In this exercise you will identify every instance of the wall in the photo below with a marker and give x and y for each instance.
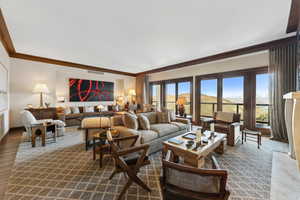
(237, 63)
(4, 60)
(25, 74)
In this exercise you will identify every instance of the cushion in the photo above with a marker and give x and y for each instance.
(147, 136)
(225, 117)
(88, 109)
(143, 122)
(68, 110)
(164, 129)
(152, 116)
(193, 182)
(171, 113)
(130, 121)
(163, 117)
(180, 125)
(117, 120)
(94, 122)
(75, 110)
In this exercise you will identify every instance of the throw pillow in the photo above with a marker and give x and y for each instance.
(68, 110)
(163, 117)
(171, 113)
(144, 122)
(130, 121)
(75, 110)
(87, 109)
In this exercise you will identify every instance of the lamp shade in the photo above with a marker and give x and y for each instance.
(132, 92)
(181, 101)
(41, 88)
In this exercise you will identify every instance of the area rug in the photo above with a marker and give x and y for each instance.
(64, 170)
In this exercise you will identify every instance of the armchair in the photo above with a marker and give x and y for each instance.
(128, 160)
(181, 182)
(29, 120)
(228, 123)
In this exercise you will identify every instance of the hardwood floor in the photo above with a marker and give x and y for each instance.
(8, 149)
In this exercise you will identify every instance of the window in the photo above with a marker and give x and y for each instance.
(156, 100)
(184, 90)
(262, 115)
(171, 96)
(233, 95)
(208, 97)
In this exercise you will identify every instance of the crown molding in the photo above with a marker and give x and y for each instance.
(294, 18)
(5, 37)
(67, 64)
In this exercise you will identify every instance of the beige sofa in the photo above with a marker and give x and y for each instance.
(158, 132)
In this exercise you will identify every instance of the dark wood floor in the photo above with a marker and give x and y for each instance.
(8, 149)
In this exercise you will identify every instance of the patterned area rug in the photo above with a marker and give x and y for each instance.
(64, 170)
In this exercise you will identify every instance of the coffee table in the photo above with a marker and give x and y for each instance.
(196, 158)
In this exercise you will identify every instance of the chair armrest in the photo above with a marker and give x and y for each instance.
(184, 121)
(235, 124)
(134, 149)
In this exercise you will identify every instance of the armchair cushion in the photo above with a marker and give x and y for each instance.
(193, 182)
(164, 129)
(224, 116)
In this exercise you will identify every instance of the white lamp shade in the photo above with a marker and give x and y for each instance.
(132, 92)
(41, 88)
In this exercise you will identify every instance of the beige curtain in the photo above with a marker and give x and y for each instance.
(142, 90)
(283, 79)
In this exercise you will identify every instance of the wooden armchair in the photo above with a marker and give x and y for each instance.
(128, 160)
(228, 123)
(181, 182)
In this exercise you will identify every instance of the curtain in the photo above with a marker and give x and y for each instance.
(142, 90)
(283, 79)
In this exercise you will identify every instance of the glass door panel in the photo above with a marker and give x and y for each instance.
(208, 97)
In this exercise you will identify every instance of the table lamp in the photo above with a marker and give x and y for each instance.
(42, 89)
(180, 102)
(132, 94)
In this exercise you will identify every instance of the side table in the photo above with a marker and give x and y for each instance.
(101, 146)
(252, 135)
(40, 130)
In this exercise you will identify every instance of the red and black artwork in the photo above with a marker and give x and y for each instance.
(88, 90)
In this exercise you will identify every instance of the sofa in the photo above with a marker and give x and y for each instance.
(157, 133)
(74, 119)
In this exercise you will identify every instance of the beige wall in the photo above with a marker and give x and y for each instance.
(25, 74)
(237, 63)
(4, 60)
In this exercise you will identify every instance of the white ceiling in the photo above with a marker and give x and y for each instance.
(139, 35)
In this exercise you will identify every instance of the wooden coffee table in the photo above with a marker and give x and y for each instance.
(196, 158)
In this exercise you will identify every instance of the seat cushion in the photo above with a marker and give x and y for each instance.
(164, 129)
(147, 136)
(180, 125)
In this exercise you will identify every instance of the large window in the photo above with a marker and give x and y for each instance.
(171, 96)
(262, 113)
(184, 91)
(233, 95)
(156, 91)
(170, 91)
(208, 97)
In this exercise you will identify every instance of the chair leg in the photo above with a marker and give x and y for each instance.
(112, 174)
(138, 181)
(125, 188)
(100, 159)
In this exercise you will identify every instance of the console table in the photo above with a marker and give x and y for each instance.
(44, 113)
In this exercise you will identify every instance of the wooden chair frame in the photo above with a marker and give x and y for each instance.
(121, 165)
(181, 193)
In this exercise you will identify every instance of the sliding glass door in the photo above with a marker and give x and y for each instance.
(156, 95)
(208, 97)
(233, 95)
(262, 112)
(170, 96)
(184, 91)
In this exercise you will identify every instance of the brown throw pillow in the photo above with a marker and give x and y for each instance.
(144, 122)
(130, 121)
(163, 117)
(171, 113)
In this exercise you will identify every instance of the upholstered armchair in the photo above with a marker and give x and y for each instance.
(182, 182)
(29, 120)
(228, 123)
